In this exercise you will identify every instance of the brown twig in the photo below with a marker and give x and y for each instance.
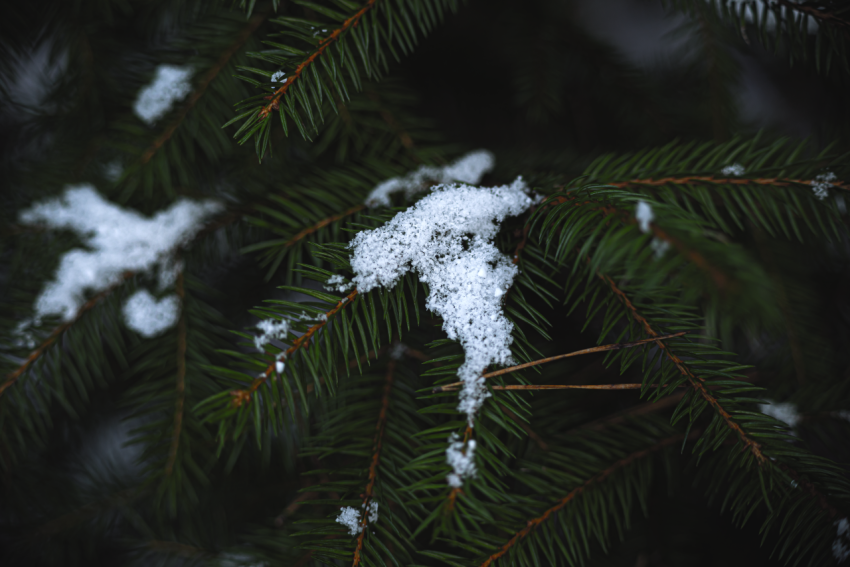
(696, 382)
(591, 350)
(181, 378)
(322, 223)
(532, 387)
(376, 456)
(532, 524)
(697, 179)
(241, 397)
(253, 24)
(351, 22)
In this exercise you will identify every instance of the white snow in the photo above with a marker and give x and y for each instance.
(278, 77)
(467, 169)
(170, 84)
(822, 183)
(271, 330)
(350, 517)
(447, 239)
(784, 411)
(149, 317)
(840, 549)
(279, 367)
(117, 239)
(644, 215)
(337, 283)
(398, 351)
(734, 170)
(462, 462)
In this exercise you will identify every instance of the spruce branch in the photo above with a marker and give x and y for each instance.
(624, 462)
(208, 78)
(321, 224)
(243, 396)
(711, 180)
(376, 456)
(696, 382)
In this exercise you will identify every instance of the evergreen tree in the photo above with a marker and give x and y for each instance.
(266, 302)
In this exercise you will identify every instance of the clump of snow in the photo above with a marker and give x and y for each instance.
(271, 330)
(462, 461)
(785, 411)
(398, 351)
(350, 517)
(659, 246)
(279, 366)
(467, 169)
(117, 239)
(149, 317)
(170, 84)
(822, 183)
(278, 77)
(734, 170)
(337, 283)
(841, 549)
(644, 216)
(447, 239)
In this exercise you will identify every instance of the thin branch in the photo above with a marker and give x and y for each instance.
(13, 376)
(322, 223)
(351, 22)
(695, 381)
(698, 179)
(601, 348)
(376, 455)
(527, 428)
(821, 15)
(532, 387)
(532, 524)
(181, 378)
(253, 24)
(244, 396)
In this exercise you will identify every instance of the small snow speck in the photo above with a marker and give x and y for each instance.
(644, 216)
(785, 412)
(822, 183)
(461, 460)
(350, 517)
(170, 84)
(271, 330)
(734, 170)
(149, 317)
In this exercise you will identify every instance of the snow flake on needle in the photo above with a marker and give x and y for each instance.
(271, 330)
(467, 169)
(734, 170)
(462, 462)
(785, 411)
(447, 239)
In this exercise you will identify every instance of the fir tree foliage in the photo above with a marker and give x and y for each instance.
(666, 290)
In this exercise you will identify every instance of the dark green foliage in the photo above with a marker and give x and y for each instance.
(194, 447)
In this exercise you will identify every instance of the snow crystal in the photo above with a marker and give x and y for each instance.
(350, 517)
(659, 246)
(170, 84)
(447, 239)
(398, 351)
(785, 412)
(272, 330)
(734, 170)
(644, 215)
(462, 462)
(279, 367)
(822, 183)
(149, 317)
(337, 283)
(118, 240)
(467, 169)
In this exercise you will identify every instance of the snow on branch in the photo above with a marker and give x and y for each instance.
(170, 84)
(467, 169)
(117, 240)
(447, 239)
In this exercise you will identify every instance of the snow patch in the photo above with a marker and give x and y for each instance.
(271, 330)
(822, 183)
(734, 170)
(149, 317)
(462, 462)
(350, 517)
(447, 239)
(785, 412)
(467, 169)
(117, 239)
(170, 84)
(337, 283)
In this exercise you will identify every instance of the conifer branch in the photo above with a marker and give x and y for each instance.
(711, 180)
(240, 397)
(208, 78)
(532, 524)
(602, 348)
(181, 378)
(376, 455)
(532, 387)
(321, 224)
(13, 376)
(695, 381)
(821, 15)
(351, 22)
